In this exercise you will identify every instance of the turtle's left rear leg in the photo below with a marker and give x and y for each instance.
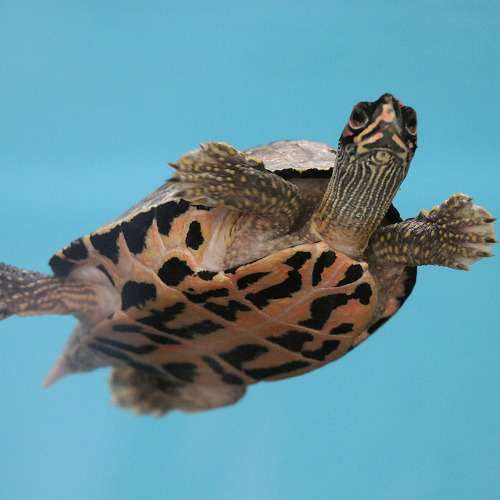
(219, 175)
(28, 293)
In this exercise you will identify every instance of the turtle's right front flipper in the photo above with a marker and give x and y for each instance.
(28, 293)
(219, 175)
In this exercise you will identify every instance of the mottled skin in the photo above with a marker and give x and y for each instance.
(249, 266)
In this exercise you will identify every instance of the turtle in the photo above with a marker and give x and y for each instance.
(248, 266)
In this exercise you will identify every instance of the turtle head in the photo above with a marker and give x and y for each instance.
(375, 151)
(383, 132)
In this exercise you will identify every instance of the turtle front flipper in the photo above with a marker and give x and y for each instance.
(219, 175)
(28, 293)
(455, 234)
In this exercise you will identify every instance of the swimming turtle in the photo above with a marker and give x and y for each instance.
(247, 266)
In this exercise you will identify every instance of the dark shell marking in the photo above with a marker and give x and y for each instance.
(283, 315)
(256, 333)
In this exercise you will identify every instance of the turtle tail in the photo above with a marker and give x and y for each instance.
(28, 293)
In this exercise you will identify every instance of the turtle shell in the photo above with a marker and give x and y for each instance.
(187, 327)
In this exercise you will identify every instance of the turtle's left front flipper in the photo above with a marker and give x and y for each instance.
(28, 293)
(219, 175)
(455, 234)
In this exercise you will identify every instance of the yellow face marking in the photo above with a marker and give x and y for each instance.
(382, 156)
(388, 115)
(375, 137)
(399, 142)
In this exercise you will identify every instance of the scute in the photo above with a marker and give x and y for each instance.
(296, 158)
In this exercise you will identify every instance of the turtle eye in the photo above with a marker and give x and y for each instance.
(411, 121)
(359, 117)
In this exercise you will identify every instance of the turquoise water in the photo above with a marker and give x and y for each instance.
(96, 98)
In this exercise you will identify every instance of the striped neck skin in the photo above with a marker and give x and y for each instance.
(375, 151)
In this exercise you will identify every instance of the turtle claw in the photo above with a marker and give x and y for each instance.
(219, 175)
(462, 230)
(205, 176)
(484, 254)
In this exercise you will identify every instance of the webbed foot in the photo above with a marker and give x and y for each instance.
(210, 175)
(462, 230)
(219, 175)
(455, 234)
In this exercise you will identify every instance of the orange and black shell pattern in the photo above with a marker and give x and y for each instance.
(280, 316)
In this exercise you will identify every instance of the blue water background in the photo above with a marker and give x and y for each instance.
(97, 97)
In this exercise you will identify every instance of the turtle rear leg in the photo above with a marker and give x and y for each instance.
(455, 234)
(28, 293)
(219, 175)
(150, 393)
